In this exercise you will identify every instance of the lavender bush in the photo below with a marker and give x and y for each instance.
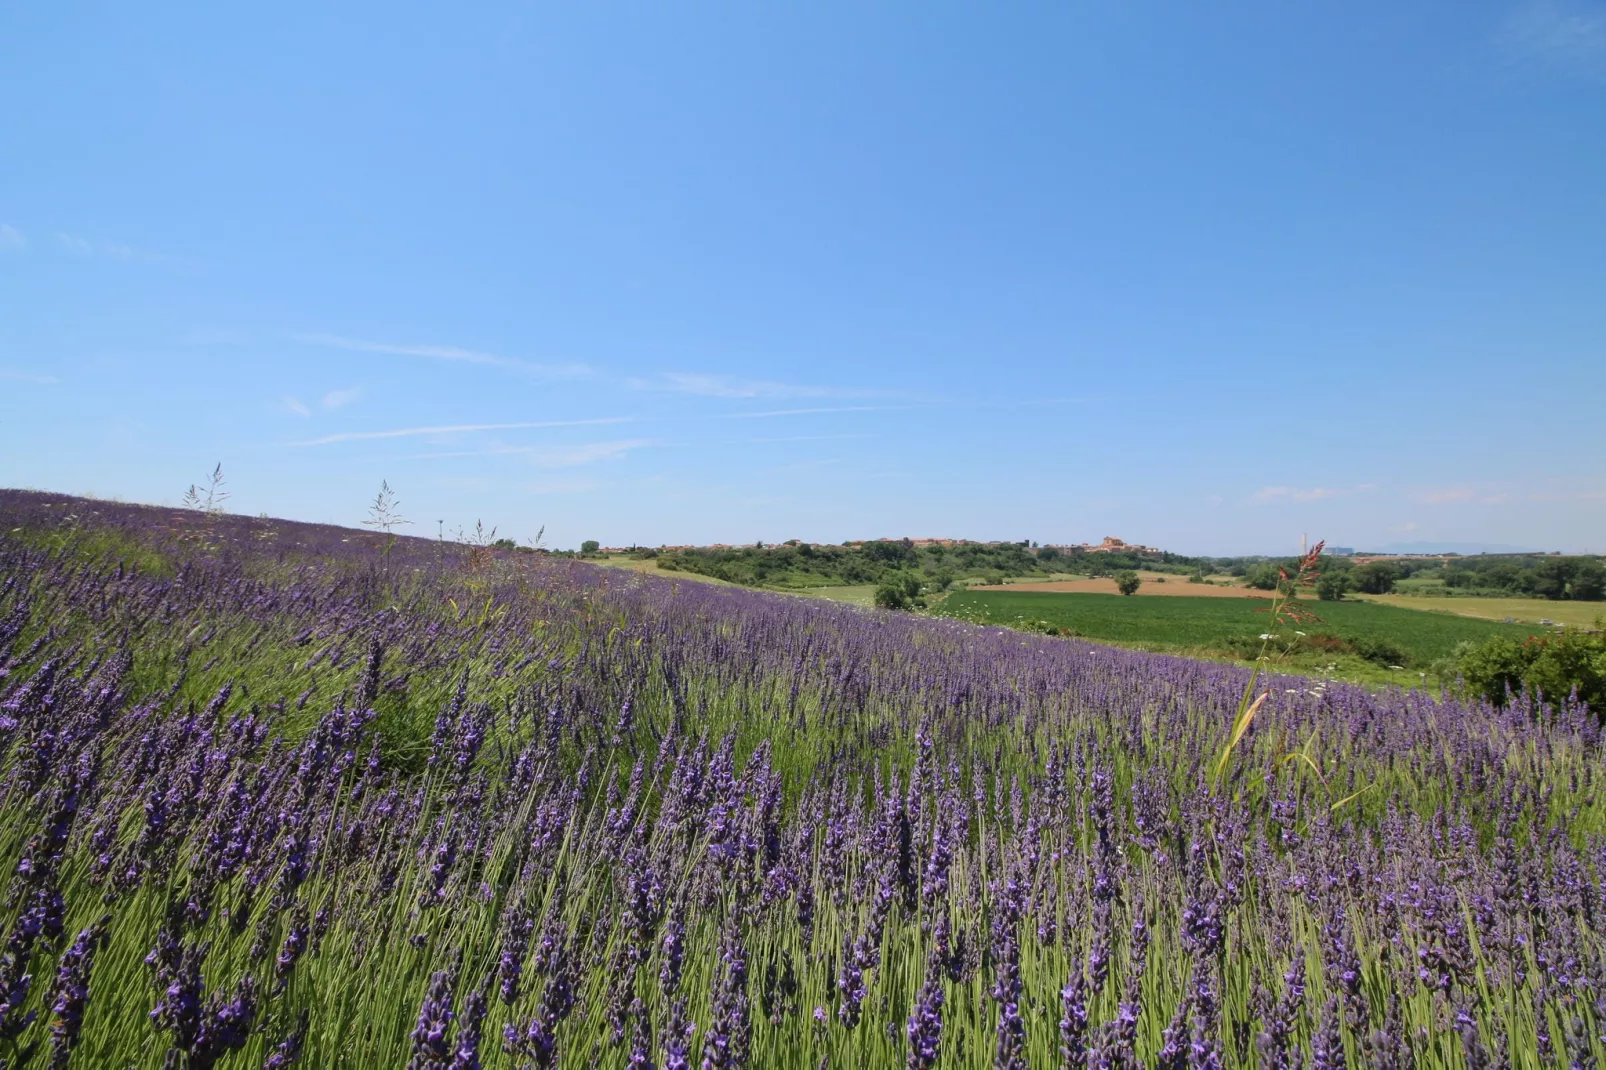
(295, 795)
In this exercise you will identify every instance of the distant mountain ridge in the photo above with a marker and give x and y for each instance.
(1455, 548)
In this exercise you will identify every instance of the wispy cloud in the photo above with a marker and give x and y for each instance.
(78, 246)
(809, 412)
(294, 405)
(456, 429)
(11, 237)
(339, 399)
(17, 375)
(813, 438)
(1453, 495)
(448, 353)
(727, 386)
(1298, 494)
(1566, 36)
(588, 453)
(551, 456)
(489, 451)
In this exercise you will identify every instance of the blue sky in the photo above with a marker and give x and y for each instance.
(1201, 276)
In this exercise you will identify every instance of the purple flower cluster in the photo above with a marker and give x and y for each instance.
(369, 816)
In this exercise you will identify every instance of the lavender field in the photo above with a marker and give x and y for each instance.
(273, 797)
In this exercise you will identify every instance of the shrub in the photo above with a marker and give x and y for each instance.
(891, 595)
(1545, 668)
(1262, 577)
(1332, 587)
(1127, 582)
(1380, 651)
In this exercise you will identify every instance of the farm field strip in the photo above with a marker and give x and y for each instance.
(1197, 623)
(1527, 610)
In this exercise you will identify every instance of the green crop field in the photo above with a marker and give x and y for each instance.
(1221, 625)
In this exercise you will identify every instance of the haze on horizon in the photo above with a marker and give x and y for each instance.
(1200, 279)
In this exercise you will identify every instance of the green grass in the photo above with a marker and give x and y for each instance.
(648, 566)
(860, 594)
(1221, 625)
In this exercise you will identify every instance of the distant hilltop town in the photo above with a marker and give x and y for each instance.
(1112, 545)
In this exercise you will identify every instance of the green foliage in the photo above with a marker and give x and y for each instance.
(1262, 577)
(590, 546)
(1547, 669)
(505, 544)
(1581, 579)
(899, 590)
(795, 565)
(891, 596)
(1588, 582)
(1380, 651)
(1332, 586)
(1127, 582)
(1377, 578)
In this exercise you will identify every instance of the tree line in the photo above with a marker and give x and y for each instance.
(929, 566)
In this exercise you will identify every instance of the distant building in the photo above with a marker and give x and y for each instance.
(1340, 551)
(1112, 545)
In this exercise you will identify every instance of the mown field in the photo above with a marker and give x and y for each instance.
(1491, 607)
(1154, 584)
(1222, 625)
(276, 794)
(858, 594)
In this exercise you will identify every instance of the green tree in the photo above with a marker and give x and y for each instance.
(1127, 582)
(1550, 579)
(1332, 587)
(891, 595)
(1262, 577)
(899, 590)
(590, 546)
(1377, 578)
(1588, 582)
